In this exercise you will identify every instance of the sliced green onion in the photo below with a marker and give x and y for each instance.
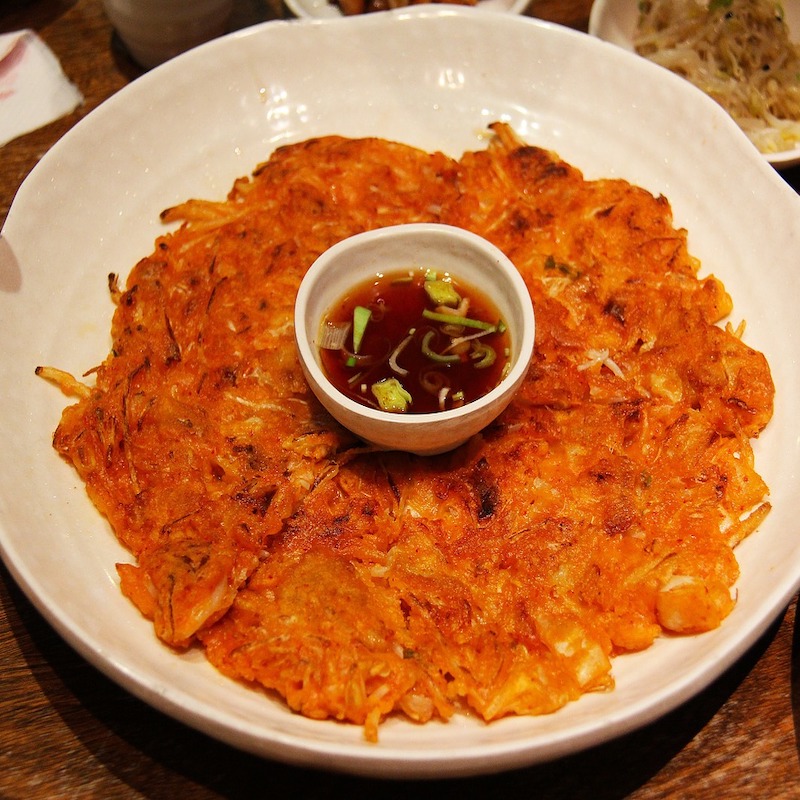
(354, 360)
(452, 319)
(361, 317)
(391, 395)
(442, 293)
(432, 380)
(434, 356)
(483, 354)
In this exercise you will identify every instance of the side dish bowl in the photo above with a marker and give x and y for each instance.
(415, 246)
(615, 21)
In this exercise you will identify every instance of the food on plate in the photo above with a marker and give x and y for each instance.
(598, 512)
(414, 341)
(352, 7)
(737, 51)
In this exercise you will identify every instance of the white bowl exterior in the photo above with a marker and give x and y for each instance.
(432, 78)
(157, 30)
(442, 248)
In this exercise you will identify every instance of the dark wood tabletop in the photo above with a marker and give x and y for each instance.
(66, 731)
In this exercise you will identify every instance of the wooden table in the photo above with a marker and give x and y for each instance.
(68, 732)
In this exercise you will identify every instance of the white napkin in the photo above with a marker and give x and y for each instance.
(33, 87)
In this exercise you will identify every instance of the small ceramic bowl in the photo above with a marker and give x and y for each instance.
(444, 249)
(154, 31)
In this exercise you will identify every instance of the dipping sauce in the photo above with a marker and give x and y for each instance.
(414, 342)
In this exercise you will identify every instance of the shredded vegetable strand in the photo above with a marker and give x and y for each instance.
(453, 319)
(459, 340)
(396, 352)
(333, 335)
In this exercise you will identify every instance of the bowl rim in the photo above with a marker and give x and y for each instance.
(508, 383)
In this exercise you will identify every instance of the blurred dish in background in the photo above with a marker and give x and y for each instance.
(329, 8)
(153, 31)
(739, 52)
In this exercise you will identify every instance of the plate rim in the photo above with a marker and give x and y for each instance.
(364, 761)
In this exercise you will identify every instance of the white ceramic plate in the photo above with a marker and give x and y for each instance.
(615, 21)
(325, 9)
(433, 78)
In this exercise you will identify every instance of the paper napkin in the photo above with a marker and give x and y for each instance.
(33, 87)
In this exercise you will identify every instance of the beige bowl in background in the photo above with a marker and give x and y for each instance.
(154, 31)
(444, 249)
(615, 21)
